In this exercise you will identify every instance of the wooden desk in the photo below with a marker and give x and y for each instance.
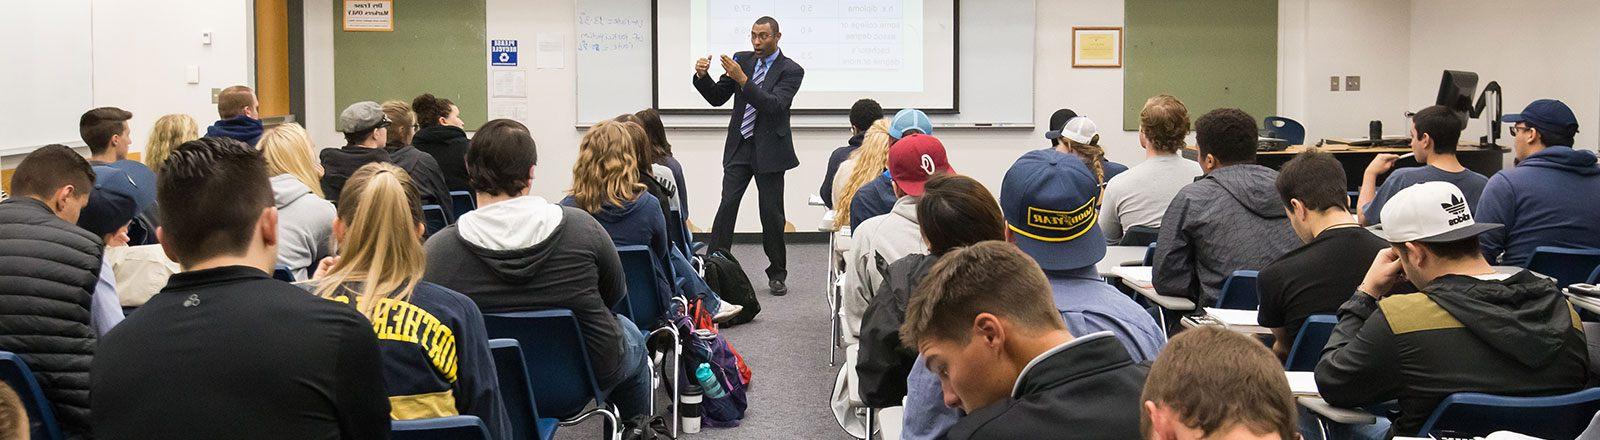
(1354, 160)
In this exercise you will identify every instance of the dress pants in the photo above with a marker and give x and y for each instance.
(769, 186)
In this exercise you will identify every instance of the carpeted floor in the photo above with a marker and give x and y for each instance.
(786, 347)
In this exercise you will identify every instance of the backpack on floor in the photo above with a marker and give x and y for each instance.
(727, 365)
(726, 277)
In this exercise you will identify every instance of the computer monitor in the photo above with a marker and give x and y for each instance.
(1456, 90)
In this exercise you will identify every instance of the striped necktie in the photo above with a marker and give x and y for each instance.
(748, 127)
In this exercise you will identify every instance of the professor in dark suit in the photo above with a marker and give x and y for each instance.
(762, 84)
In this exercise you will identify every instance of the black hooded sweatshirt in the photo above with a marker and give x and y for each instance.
(448, 146)
(1514, 337)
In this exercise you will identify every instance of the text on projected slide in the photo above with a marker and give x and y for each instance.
(845, 45)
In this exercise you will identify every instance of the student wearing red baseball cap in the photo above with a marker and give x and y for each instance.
(885, 238)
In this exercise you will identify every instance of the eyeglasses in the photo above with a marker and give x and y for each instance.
(1518, 130)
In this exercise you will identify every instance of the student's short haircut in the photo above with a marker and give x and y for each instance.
(430, 108)
(990, 277)
(13, 416)
(863, 113)
(1441, 124)
(49, 168)
(1551, 139)
(769, 21)
(1165, 120)
(1229, 134)
(1316, 179)
(499, 156)
(1215, 379)
(97, 126)
(211, 192)
(1452, 250)
(233, 100)
(955, 211)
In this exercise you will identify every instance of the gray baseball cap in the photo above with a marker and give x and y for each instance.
(362, 116)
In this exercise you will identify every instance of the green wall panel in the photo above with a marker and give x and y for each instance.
(1209, 54)
(437, 47)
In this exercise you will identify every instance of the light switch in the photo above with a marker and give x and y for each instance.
(1333, 83)
(205, 38)
(1352, 83)
(191, 74)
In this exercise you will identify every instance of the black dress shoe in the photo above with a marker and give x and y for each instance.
(777, 287)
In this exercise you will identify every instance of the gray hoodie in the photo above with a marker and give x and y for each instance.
(1231, 219)
(878, 242)
(305, 225)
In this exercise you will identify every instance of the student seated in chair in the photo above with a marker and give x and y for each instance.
(368, 129)
(1078, 135)
(49, 299)
(1316, 278)
(1550, 197)
(1140, 197)
(985, 322)
(864, 167)
(1435, 131)
(442, 135)
(435, 349)
(240, 114)
(1213, 383)
(889, 237)
(225, 351)
(605, 184)
(1229, 220)
(424, 170)
(305, 218)
(656, 134)
(107, 215)
(1470, 329)
(954, 211)
(13, 416)
(863, 114)
(519, 252)
(877, 197)
(105, 130)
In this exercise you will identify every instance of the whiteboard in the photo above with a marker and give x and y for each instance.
(615, 60)
(46, 75)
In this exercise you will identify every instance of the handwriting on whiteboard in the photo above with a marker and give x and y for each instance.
(603, 33)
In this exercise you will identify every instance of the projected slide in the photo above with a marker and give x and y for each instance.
(900, 52)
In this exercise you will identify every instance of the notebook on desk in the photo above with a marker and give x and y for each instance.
(1302, 383)
(1138, 275)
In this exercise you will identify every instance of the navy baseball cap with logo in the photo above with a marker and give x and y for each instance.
(1049, 200)
(1548, 116)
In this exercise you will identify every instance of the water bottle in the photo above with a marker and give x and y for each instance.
(689, 408)
(708, 382)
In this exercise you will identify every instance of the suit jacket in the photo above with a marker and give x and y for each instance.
(773, 147)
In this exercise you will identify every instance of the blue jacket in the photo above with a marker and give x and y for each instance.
(873, 199)
(1547, 200)
(243, 128)
(834, 159)
(638, 223)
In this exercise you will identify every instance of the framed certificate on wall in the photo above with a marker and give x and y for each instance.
(1096, 46)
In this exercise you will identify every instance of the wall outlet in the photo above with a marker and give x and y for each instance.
(1352, 83)
(215, 93)
(1333, 83)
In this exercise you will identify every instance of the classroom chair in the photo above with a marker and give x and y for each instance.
(1139, 236)
(1594, 277)
(838, 242)
(284, 274)
(646, 307)
(1567, 265)
(1478, 414)
(1150, 255)
(442, 428)
(15, 372)
(1239, 291)
(1308, 344)
(1284, 128)
(553, 345)
(516, 392)
(462, 202)
(433, 216)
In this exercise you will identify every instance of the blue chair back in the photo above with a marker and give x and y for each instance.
(1477, 414)
(1150, 254)
(1286, 129)
(15, 372)
(1567, 265)
(517, 393)
(676, 225)
(643, 305)
(435, 219)
(283, 273)
(1594, 277)
(462, 202)
(552, 345)
(1139, 236)
(442, 428)
(1239, 291)
(1308, 344)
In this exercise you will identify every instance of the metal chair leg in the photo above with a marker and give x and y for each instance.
(872, 416)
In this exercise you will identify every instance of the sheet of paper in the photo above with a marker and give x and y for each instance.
(551, 51)
(516, 110)
(508, 83)
(1302, 383)
(1233, 317)
(1140, 275)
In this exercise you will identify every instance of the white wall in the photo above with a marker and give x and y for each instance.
(142, 48)
(1539, 49)
(1380, 40)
